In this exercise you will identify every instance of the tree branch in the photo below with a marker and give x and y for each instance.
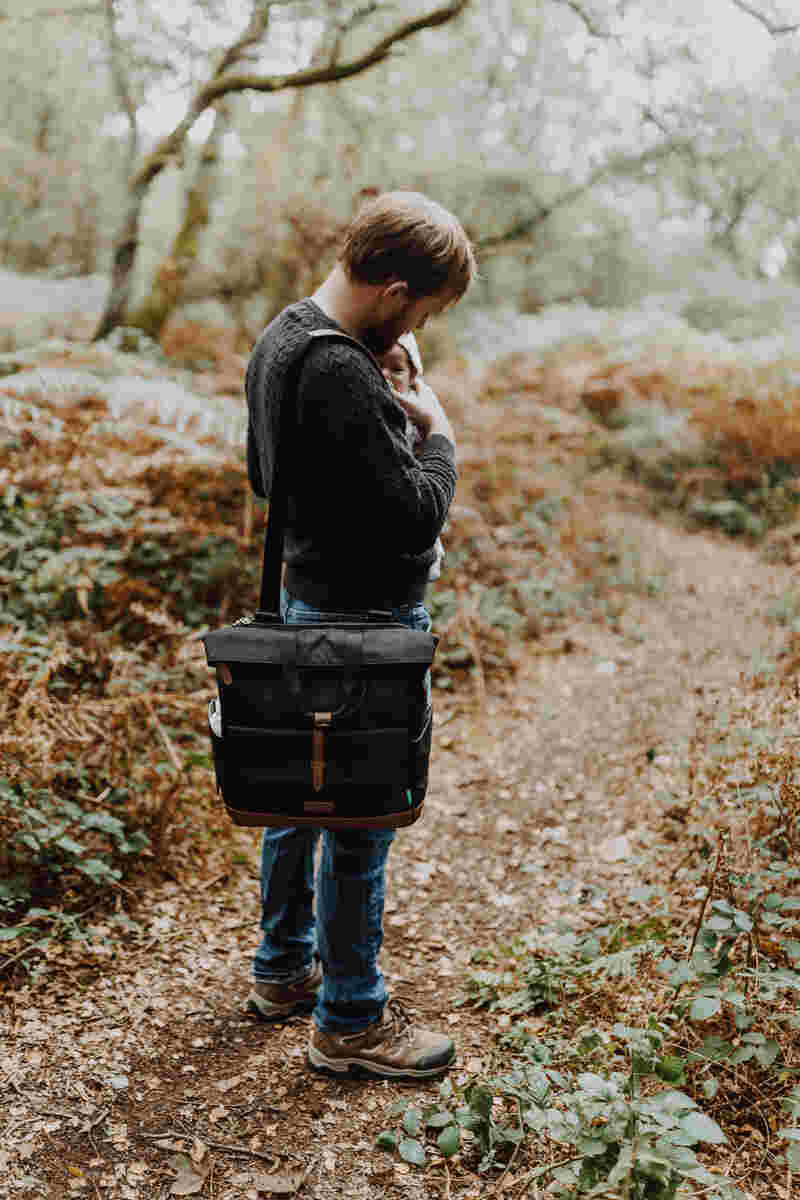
(37, 162)
(256, 28)
(344, 26)
(623, 165)
(86, 10)
(741, 201)
(126, 100)
(771, 27)
(587, 20)
(331, 72)
(225, 83)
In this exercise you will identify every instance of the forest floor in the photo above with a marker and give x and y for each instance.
(143, 1076)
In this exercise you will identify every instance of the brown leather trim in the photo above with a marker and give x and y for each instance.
(319, 806)
(321, 722)
(398, 820)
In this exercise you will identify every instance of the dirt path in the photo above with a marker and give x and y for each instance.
(537, 813)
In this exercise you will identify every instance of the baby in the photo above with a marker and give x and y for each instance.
(402, 367)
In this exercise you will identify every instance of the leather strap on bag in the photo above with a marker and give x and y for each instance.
(285, 430)
(320, 724)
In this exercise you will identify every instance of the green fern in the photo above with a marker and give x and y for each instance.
(622, 963)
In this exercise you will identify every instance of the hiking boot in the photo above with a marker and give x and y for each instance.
(391, 1048)
(278, 1001)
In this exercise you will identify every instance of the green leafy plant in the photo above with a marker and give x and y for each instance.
(48, 841)
(423, 1130)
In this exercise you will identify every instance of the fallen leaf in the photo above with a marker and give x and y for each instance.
(615, 849)
(225, 1085)
(198, 1151)
(279, 1185)
(189, 1182)
(180, 1162)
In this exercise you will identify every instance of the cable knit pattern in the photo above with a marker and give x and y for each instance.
(364, 512)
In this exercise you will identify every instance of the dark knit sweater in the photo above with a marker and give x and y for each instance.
(364, 512)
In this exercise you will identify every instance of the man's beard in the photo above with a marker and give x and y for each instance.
(380, 338)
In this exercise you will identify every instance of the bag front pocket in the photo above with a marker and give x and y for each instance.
(356, 758)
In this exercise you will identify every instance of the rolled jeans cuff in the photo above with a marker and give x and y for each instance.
(295, 977)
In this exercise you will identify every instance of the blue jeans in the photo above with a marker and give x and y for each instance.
(340, 913)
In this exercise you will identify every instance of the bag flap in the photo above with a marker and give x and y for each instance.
(319, 645)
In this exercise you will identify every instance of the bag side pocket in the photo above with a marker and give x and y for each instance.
(420, 755)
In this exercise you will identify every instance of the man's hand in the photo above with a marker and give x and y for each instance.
(425, 411)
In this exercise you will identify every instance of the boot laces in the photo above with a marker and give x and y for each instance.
(402, 1025)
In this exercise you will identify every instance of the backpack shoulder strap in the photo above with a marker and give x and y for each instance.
(269, 600)
(340, 336)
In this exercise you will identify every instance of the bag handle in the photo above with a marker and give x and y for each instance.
(285, 429)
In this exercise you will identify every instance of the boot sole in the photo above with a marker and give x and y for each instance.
(280, 1014)
(360, 1068)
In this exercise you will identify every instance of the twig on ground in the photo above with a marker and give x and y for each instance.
(473, 781)
(275, 1157)
(174, 757)
(95, 1121)
(16, 957)
(445, 720)
(204, 887)
(446, 1180)
(469, 608)
(562, 1162)
(707, 897)
(42, 1108)
(498, 1186)
(244, 1110)
(682, 863)
(270, 1158)
(698, 923)
(166, 812)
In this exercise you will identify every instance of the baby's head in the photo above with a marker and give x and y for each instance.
(401, 364)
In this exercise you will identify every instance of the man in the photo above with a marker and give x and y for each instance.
(363, 519)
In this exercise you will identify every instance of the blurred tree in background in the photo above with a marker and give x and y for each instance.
(205, 156)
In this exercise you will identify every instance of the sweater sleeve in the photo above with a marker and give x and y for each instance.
(363, 475)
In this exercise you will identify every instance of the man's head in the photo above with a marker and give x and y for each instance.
(416, 256)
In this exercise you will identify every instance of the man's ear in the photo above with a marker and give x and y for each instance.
(396, 290)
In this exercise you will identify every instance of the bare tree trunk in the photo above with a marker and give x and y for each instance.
(172, 279)
(126, 242)
(224, 81)
(125, 246)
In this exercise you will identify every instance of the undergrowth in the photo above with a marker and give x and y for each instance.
(719, 443)
(654, 1055)
(119, 547)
